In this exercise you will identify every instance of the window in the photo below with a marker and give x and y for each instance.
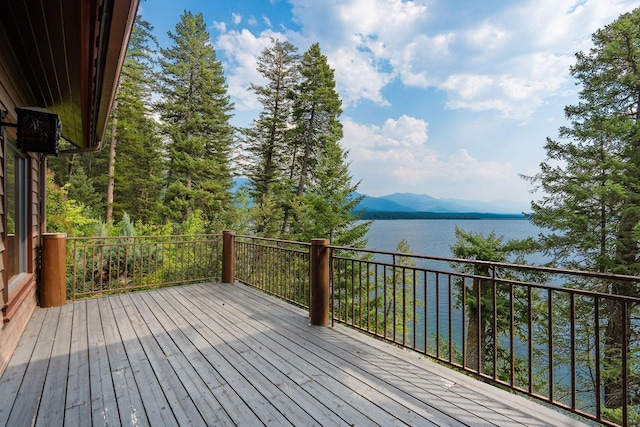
(16, 198)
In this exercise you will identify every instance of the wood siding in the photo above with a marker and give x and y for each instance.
(18, 305)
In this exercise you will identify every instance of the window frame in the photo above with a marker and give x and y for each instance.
(20, 213)
(21, 286)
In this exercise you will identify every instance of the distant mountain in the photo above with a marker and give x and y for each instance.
(416, 205)
(382, 205)
(497, 206)
(422, 203)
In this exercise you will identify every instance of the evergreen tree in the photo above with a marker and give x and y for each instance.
(483, 338)
(591, 181)
(326, 209)
(127, 172)
(81, 190)
(66, 215)
(395, 298)
(138, 163)
(268, 139)
(316, 111)
(195, 110)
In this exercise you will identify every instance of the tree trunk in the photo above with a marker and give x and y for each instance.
(307, 154)
(479, 329)
(619, 316)
(614, 343)
(112, 165)
(475, 332)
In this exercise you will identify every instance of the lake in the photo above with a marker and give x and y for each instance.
(435, 236)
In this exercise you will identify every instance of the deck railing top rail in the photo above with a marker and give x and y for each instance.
(522, 267)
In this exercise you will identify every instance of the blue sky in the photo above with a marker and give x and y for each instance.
(453, 99)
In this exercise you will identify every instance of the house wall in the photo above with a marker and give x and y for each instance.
(18, 304)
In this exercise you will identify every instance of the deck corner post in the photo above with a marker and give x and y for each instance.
(53, 286)
(319, 289)
(228, 256)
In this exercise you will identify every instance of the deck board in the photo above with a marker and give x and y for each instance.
(51, 411)
(348, 388)
(181, 405)
(78, 390)
(104, 409)
(233, 400)
(11, 379)
(128, 396)
(345, 366)
(25, 409)
(216, 354)
(156, 407)
(199, 390)
(248, 379)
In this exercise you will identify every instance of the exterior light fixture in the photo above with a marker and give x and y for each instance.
(39, 130)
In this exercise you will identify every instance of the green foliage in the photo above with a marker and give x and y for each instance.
(65, 215)
(488, 323)
(299, 180)
(126, 227)
(138, 160)
(82, 190)
(591, 181)
(395, 303)
(270, 136)
(316, 109)
(195, 110)
(326, 209)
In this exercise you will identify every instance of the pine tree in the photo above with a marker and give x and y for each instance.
(317, 108)
(268, 139)
(327, 208)
(81, 190)
(195, 110)
(591, 181)
(138, 159)
(316, 111)
(483, 330)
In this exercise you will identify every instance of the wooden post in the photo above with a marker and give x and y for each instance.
(228, 256)
(319, 304)
(53, 287)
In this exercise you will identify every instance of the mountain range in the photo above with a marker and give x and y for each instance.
(410, 205)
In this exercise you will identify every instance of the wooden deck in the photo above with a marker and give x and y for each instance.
(214, 354)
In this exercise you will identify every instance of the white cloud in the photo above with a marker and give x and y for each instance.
(220, 26)
(396, 155)
(509, 61)
(266, 21)
(242, 49)
(486, 36)
(357, 76)
(520, 55)
(524, 53)
(517, 94)
(365, 41)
